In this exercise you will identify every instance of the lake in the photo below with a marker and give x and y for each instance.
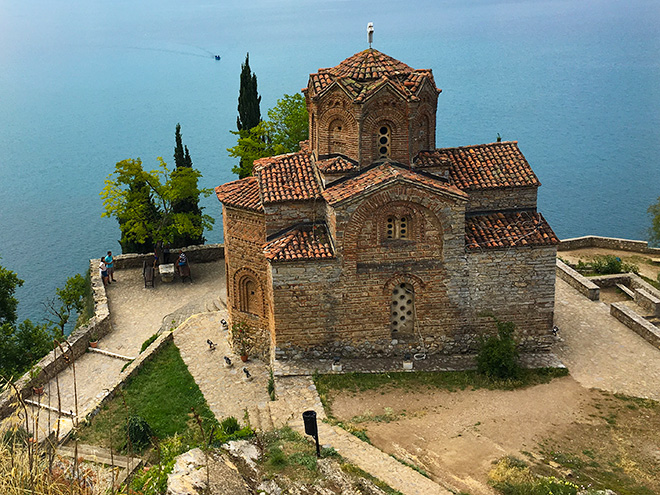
(85, 84)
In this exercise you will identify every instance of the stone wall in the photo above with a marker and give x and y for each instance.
(637, 323)
(607, 243)
(508, 198)
(281, 216)
(196, 254)
(516, 285)
(578, 281)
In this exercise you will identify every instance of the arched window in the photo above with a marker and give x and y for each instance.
(384, 140)
(397, 227)
(249, 298)
(402, 311)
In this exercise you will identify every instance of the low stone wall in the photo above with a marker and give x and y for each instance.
(578, 281)
(607, 243)
(195, 254)
(76, 345)
(635, 322)
(647, 301)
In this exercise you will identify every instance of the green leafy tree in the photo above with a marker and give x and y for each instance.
(249, 114)
(70, 299)
(9, 282)
(21, 345)
(654, 230)
(253, 144)
(142, 202)
(282, 133)
(289, 121)
(188, 204)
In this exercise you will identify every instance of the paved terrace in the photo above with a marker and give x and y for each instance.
(136, 314)
(599, 351)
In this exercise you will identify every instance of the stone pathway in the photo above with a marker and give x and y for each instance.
(228, 393)
(600, 351)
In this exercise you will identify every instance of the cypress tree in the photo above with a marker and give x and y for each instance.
(249, 114)
(185, 205)
(179, 158)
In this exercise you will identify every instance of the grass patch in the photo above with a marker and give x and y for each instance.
(417, 380)
(654, 283)
(356, 471)
(288, 453)
(162, 393)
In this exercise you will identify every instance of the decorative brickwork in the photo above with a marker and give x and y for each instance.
(370, 242)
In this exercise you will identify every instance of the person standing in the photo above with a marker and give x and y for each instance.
(103, 270)
(110, 264)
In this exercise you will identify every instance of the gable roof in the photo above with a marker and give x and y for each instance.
(379, 176)
(487, 166)
(307, 242)
(336, 165)
(243, 193)
(289, 177)
(511, 229)
(364, 73)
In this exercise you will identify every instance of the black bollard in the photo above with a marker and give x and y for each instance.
(311, 428)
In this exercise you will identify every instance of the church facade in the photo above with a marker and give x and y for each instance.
(370, 241)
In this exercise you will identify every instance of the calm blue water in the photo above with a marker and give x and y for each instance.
(84, 84)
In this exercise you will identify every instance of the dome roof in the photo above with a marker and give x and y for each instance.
(364, 73)
(370, 64)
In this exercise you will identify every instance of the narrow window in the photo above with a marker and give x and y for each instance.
(384, 140)
(402, 315)
(397, 227)
(248, 296)
(336, 135)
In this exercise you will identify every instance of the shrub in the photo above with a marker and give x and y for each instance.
(139, 432)
(498, 354)
(148, 342)
(230, 425)
(609, 264)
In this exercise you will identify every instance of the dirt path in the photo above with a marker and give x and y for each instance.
(457, 435)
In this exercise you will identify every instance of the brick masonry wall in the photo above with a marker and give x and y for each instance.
(502, 199)
(412, 124)
(343, 305)
(280, 216)
(515, 285)
(244, 237)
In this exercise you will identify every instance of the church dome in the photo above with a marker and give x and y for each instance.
(370, 64)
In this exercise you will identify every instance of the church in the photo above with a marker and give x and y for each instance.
(372, 242)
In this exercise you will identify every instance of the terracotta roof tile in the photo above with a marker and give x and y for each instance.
(336, 165)
(310, 242)
(377, 176)
(487, 166)
(288, 177)
(364, 73)
(435, 158)
(243, 193)
(504, 230)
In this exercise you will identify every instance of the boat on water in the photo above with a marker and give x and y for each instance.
(217, 57)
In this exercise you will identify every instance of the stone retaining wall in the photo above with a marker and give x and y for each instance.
(76, 344)
(578, 281)
(635, 322)
(195, 254)
(607, 243)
